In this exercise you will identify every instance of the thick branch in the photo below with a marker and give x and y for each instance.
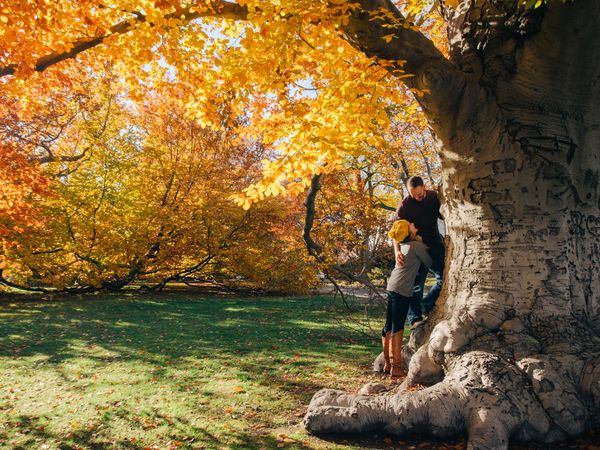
(376, 19)
(8, 283)
(221, 9)
(313, 248)
(379, 29)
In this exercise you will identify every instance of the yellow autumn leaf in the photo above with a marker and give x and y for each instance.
(452, 3)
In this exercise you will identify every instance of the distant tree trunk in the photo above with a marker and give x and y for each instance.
(514, 343)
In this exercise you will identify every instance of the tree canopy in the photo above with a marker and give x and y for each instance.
(95, 98)
(283, 69)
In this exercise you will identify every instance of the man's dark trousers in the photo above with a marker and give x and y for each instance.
(419, 304)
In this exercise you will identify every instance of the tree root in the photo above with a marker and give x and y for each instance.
(482, 395)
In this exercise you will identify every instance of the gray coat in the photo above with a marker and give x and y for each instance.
(402, 279)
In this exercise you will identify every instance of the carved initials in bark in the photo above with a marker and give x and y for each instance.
(515, 337)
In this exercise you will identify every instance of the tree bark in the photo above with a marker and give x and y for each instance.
(515, 336)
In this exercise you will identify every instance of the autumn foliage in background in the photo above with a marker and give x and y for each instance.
(146, 197)
(162, 151)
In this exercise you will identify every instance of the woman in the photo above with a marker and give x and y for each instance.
(399, 291)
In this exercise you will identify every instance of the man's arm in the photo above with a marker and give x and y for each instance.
(400, 215)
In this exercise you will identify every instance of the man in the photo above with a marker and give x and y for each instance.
(422, 208)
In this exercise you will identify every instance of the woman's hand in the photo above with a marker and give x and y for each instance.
(399, 259)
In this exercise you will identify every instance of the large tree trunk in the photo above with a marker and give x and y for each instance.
(513, 345)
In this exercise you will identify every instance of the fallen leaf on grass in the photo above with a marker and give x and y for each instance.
(285, 439)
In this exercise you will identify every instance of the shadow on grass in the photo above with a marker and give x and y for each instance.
(153, 328)
(93, 438)
(270, 342)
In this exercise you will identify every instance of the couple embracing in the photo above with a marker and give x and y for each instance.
(418, 248)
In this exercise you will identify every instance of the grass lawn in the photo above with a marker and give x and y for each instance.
(172, 370)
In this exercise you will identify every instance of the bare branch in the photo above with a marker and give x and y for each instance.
(50, 158)
(316, 250)
(427, 165)
(385, 206)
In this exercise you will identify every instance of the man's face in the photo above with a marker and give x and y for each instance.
(418, 193)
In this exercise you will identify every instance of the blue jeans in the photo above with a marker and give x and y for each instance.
(397, 307)
(419, 304)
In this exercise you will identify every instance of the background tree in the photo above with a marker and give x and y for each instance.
(513, 104)
(149, 202)
(21, 184)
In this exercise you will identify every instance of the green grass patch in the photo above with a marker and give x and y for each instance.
(173, 370)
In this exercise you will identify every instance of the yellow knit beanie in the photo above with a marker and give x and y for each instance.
(399, 230)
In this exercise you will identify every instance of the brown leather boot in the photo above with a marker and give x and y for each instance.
(396, 354)
(385, 342)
